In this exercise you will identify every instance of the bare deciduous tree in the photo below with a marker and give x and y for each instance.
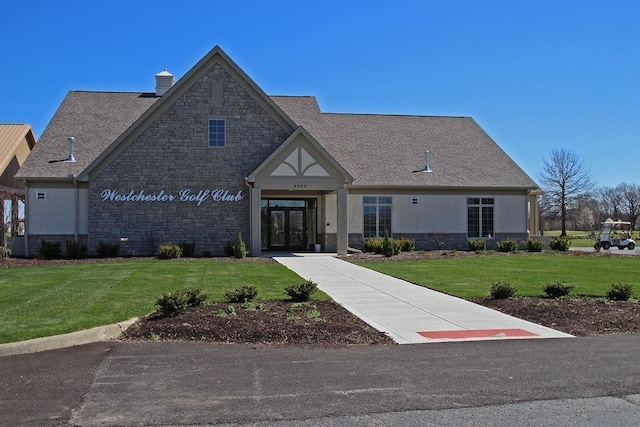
(565, 180)
(630, 194)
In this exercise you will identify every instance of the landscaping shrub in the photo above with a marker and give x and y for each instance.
(176, 302)
(170, 251)
(501, 290)
(373, 244)
(228, 248)
(619, 292)
(76, 250)
(188, 249)
(388, 247)
(560, 244)
(108, 250)
(477, 244)
(49, 249)
(557, 290)
(406, 245)
(239, 248)
(243, 294)
(5, 252)
(301, 292)
(507, 245)
(534, 245)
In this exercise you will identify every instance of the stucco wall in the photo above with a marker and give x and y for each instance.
(171, 155)
(55, 214)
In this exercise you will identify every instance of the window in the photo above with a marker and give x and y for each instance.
(41, 194)
(480, 217)
(217, 135)
(377, 216)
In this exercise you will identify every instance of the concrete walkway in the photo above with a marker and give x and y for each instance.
(407, 312)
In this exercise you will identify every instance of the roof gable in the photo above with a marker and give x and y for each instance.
(215, 56)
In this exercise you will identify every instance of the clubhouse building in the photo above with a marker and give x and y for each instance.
(211, 156)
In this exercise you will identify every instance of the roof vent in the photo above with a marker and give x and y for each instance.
(426, 164)
(71, 158)
(164, 81)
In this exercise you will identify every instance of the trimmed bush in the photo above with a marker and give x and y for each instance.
(373, 244)
(406, 245)
(239, 248)
(108, 250)
(477, 245)
(188, 249)
(170, 251)
(176, 302)
(534, 245)
(507, 245)
(619, 292)
(244, 293)
(49, 249)
(557, 290)
(388, 247)
(302, 291)
(501, 290)
(76, 250)
(560, 244)
(228, 248)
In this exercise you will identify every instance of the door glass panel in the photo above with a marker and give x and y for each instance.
(296, 228)
(277, 228)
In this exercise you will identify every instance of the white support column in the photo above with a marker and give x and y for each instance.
(343, 233)
(534, 215)
(256, 228)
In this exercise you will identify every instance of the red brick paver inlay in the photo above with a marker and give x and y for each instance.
(477, 333)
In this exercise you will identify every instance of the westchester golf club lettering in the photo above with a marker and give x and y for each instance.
(184, 195)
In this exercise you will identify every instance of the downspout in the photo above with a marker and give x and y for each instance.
(76, 210)
(251, 251)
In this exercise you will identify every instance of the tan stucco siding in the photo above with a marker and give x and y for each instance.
(56, 213)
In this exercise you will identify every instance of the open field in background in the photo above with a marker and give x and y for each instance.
(472, 277)
(44, 301)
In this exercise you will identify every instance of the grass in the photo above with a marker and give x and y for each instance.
(44, 301)
(473, 277)
(582, 239)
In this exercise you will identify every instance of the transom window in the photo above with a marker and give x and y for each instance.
(480, 216)
(217, 133)
(377, 216)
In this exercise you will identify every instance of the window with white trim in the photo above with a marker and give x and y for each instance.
(376, 216)
(480, 216)
(217, 133)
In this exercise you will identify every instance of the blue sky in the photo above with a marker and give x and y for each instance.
(536, 75)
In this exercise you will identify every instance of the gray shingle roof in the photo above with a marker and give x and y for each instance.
(94, 119)
(384, 150)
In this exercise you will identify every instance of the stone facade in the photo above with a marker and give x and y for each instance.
(35, 242)
(171, 155)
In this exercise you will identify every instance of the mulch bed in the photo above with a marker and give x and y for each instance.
(269, 322)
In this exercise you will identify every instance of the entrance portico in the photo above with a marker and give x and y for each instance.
(286, 190)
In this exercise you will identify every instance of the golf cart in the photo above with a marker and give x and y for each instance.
(615, 233)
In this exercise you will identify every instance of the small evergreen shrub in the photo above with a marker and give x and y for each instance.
(244, 293)
(406, 245)
(239, 248)
(5, 252)
(76, 250)
(176, 302)
(301, 292)
(557, 290)
(501, 290)
(534, 245)
(560, 244)
(373, 244)
(619, 292)
(188, 249)
(388, 247)
(49, 249)
(170, 251)
(507, 245)
(228, 248)
(108, 250)
(477, 245)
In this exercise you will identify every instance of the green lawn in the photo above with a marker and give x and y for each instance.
(44, 301)
(473, 277)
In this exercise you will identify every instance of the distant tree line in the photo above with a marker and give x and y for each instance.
(572, 200)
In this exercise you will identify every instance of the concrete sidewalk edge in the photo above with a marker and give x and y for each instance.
(87, 336)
